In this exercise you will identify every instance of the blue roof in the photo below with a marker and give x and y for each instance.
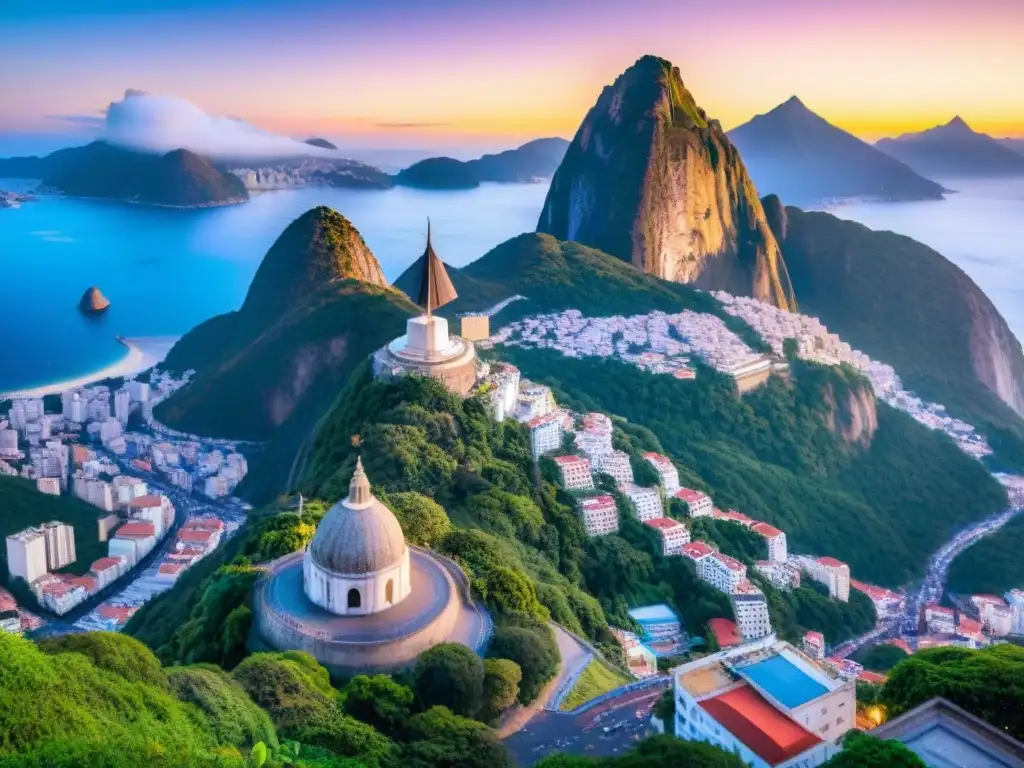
(654, 614)
(784, 681)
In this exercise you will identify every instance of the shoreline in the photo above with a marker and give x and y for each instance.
(142, 354)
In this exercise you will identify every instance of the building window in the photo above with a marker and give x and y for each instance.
(389, 591)
(354, 600)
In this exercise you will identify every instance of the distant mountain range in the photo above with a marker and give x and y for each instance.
(177, 179)
(534, 161)
(798, 155)
(954, 150)
(1017, 145)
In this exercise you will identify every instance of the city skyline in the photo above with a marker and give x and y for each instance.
(453, 73)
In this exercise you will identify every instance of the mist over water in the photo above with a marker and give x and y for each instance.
(980, 229)
(166, 271)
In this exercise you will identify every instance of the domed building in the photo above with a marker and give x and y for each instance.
(358, 562)
(359, 598)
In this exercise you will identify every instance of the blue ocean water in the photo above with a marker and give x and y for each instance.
(165, 270)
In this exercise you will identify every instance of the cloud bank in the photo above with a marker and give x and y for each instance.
(165, 123)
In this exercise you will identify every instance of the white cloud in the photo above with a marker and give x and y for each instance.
(165, 123)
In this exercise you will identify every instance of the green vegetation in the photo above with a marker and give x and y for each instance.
(501, 686)
(772, 455)
(597, 678)
(988, 683)
(855, 280)
(655, 752)
(449, 675)
(993, 565)
(863, 751)
(555, 275)
(439, 173)
(880, 658)
(23, 506)
(177, 179)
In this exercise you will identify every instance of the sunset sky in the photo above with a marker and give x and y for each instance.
(442, 72)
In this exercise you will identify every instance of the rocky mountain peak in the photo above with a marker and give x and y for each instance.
(649, 178)
(957, 125)
(319, 247)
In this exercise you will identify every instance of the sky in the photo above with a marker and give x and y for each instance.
(436, 73)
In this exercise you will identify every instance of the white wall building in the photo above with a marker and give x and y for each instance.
(766, 702)
(674, 535)
(9, 444)
(26, 554)
(545, 435)
(60, 544)
(781, 575)
(122, 406)
(1015, 600)
(667, 472)
(575, 472)
(697, 504)
(940, 619)
(48, 485)
(600, 515)
(833, 573)
(722, 572)
(646, 501)
(750, 608)
(776, 541)
(617, 465)
(535, 401)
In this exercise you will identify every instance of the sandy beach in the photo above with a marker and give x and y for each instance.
(142, 355)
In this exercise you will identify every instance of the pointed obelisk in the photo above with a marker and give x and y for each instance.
(434, 288)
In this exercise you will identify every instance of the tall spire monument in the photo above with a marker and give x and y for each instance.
(427, 348)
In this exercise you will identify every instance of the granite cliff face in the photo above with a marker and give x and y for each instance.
(907, 305)
(650, 179)
(855, 418)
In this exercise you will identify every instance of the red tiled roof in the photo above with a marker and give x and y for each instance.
(135, 529)
(117, 612)
(768, 531)
(762, 728)
(968, 625)
(199, 537)
(875, 593)
(205, 522)
(143, 465)
(570, 459)
(696, 549)
(664, 524)
(729, 562)
(657, 458)
(872, 677)
(689, 495)
(726, 632)
(900, 644)
(989, 599)
(172, 568)
(88, 583)
(539, 420)
(103, 563)
(831, 562)
(149, 500)
(939, 609)
(594, 503)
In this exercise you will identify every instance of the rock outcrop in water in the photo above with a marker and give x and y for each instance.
(650, 179)
(93, 301)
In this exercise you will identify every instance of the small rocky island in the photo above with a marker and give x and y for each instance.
(94, 302)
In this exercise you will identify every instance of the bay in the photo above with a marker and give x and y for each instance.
(166, 270)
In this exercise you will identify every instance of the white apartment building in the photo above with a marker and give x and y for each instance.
(93, 491)
(138, 391)
(216, 487)
(1015, 600)
(646, 501)
(545, 435)
(110, 429)
(60, 544)
(26, 554)
(667, 472)
(750, 608)
(696, 551)
(180, 477)
(776, 541)
(48, 485)
(781, 575)
(939, 619)
(674, 535)
(814, 645)
(128, 489)
(766, 702)
(535, 401)
(575, 472)
(138, 533)
(697, 504)
(122, 406)
(600, 515)
(503, 397)
(125, 549)
(997, 619)
(833, 573)
(722, 572)
(9, 444)
(595, 438)
(106, 570)
(617, 465)
(154, 508)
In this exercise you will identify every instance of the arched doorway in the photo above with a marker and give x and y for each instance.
(354, 599)
(389, 591)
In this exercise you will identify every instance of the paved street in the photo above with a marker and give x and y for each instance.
(626, 718)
